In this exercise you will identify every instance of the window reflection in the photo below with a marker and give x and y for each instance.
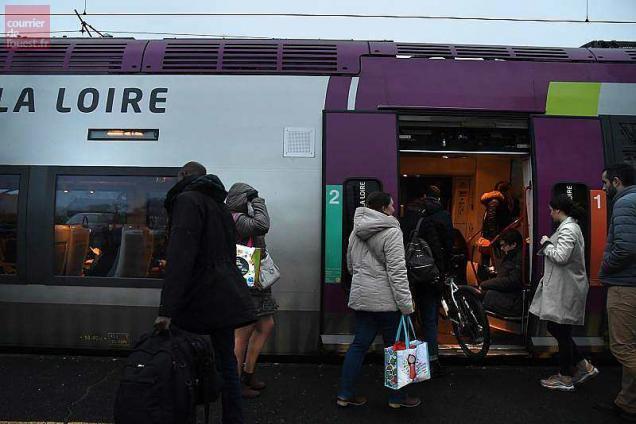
(111, 226)
(9, 190)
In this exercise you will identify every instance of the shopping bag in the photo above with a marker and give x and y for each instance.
(248, 261)
(269, 272)
(406, 362)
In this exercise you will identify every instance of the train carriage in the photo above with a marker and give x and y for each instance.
(93, 131)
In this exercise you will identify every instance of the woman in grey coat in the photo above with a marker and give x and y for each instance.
(379, 291)
(561, 296)
(252, 222)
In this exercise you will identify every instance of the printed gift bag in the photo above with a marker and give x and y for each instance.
(248, 261)
(406, 362)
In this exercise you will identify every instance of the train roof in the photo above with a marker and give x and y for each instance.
(271, 56)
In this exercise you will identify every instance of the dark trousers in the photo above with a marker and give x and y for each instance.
(569, 354)
(368, 324)
(232, 404)
(427, 305)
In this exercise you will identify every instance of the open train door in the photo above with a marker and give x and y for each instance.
(568, 158)
(360, 153)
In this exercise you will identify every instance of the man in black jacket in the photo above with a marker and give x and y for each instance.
(203, 291)
(618, 273)
(503, 293)
(437, 230)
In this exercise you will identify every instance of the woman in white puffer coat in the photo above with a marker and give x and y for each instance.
(379, 291)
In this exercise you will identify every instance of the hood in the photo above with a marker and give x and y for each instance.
(495, 194)
(432, 206)
(628, 190)
(237, 197)
(368, 222)
(210, 185)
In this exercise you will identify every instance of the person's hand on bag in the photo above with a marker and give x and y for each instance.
(162, 323)
(544, 240)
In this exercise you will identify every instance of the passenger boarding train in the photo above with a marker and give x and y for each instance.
(92, 132)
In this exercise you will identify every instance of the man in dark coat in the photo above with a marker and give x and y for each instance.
(436, 229)
(203, 291)
(618, 273)
(503, 293)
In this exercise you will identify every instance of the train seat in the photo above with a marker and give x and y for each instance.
(8, 246)
(62, 235)
(135, 252)
(71, 247)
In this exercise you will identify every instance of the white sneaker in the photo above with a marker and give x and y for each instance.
(558, 382)
(584, 371)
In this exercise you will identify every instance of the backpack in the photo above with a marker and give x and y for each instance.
(420, 263)
(164, 378)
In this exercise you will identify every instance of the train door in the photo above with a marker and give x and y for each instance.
(569, 159)
(360, 156)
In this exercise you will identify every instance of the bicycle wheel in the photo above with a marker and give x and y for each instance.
(471, 329)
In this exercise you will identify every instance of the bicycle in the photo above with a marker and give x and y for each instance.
(461, 304)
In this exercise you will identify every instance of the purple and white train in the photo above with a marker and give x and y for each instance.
(93, 130)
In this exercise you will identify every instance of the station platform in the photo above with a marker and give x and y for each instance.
(81, 389)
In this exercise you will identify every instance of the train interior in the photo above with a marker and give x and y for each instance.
(465, 157)
(110, 226)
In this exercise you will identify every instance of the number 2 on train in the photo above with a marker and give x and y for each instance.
(334, 197)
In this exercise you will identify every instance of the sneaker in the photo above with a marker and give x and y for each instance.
(584, 371)
(558, 382)
(354, 401)
(407, 402)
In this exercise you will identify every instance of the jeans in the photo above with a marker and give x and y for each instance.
(569, 354)
(366, 328)
(232, 404)
(428, 310)
(621, 311)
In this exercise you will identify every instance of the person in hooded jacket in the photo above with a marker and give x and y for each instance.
(503, 293)
(252, 222)
(203, 290)
(436, 229)
(499, 206)
(379, 291)
(561, 295)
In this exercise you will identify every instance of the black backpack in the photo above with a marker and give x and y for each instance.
(164, 378)
(420, 263)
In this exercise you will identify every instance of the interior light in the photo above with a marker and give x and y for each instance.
(121, 134)
(445, 157)
(92, 191)
(404, 175)
(65, 191)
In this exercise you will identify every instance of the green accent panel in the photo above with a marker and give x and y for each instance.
(333, 233)
(573, 98)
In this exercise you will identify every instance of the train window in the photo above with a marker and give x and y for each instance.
(9, 191)
(111, 226)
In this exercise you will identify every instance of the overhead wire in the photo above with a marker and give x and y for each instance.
(175, 34)
(338, 15)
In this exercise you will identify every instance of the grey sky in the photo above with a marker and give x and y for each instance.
(413, 30)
